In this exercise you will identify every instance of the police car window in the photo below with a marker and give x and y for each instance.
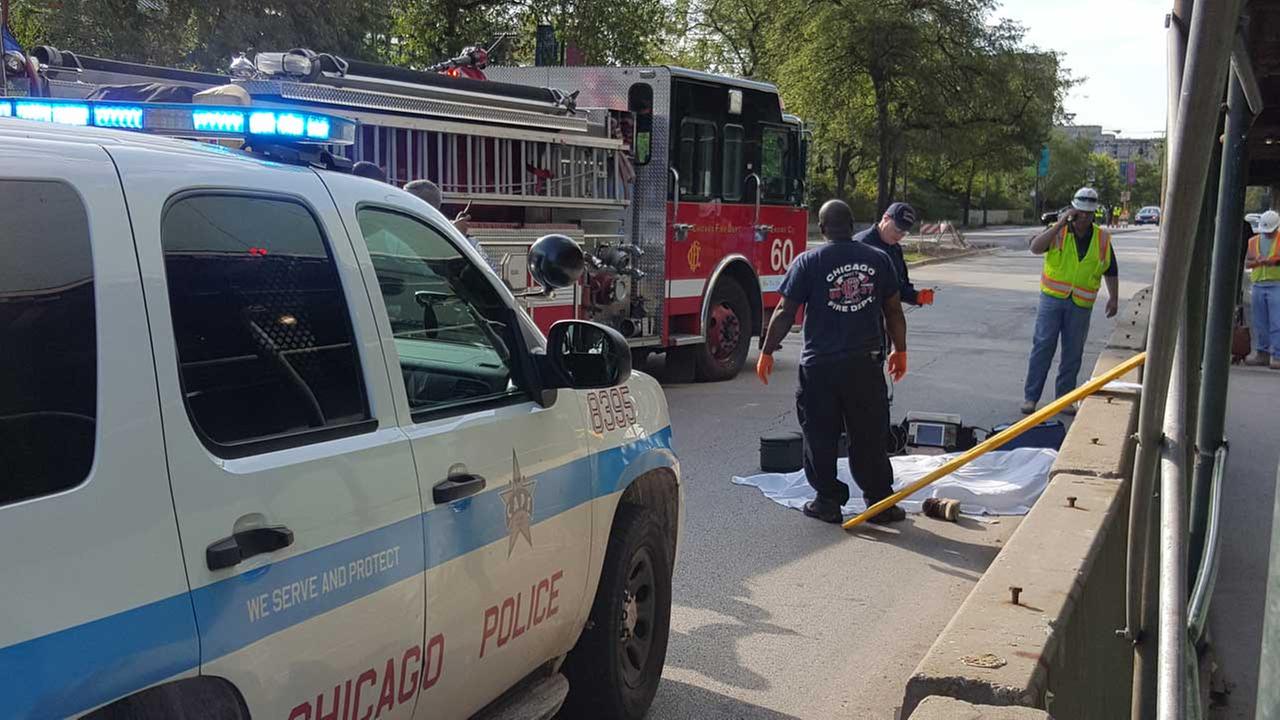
(48, 368)
(264, 337)
(697, 158)
(733, 169)
(452, 330)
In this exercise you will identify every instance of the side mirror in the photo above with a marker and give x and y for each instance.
(585, 355)
(555, 261)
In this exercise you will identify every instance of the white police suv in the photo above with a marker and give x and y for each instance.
(275, 444)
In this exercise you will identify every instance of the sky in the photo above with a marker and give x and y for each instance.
(1116, 48)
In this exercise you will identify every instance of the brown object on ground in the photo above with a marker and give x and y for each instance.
(942, 509)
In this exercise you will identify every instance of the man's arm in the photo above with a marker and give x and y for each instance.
(784, 316)
(1040, 243)
(895, 322)
(907, 290)
(1113, 294)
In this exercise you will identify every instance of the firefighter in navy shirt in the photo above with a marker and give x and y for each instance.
(886, 236)
(849, 292)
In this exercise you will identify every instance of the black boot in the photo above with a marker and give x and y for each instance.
(824, 510)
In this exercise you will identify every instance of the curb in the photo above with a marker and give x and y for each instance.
(958, 256)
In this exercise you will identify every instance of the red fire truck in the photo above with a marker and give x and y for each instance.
(684, 188)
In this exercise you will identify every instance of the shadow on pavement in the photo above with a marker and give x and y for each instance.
(682, 700)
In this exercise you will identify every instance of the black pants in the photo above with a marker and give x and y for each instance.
(846, 395)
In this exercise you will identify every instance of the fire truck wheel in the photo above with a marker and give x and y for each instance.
(615, 668)
(728, 333)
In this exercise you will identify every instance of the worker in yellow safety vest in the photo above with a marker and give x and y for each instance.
(1077, 256)
(1263, 262)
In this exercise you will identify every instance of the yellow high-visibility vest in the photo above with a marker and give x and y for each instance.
(1264, 273)
(1066, 274)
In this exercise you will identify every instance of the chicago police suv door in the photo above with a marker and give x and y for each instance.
(295, 491)
(506, 482)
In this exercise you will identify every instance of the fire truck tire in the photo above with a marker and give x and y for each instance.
(615, 668)
(728, 333)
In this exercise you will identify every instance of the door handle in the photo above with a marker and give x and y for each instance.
(245, 544)
(456, 487)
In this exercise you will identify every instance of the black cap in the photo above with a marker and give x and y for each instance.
(904, 216)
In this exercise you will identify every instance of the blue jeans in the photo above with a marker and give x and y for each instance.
(1056, 317)
(1266, 317)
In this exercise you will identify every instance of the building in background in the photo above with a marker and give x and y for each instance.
(1121, 149)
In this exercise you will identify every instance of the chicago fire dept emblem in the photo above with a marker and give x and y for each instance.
(695, 255)
(518, 497)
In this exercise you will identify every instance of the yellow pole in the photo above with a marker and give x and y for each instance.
(1000, 438)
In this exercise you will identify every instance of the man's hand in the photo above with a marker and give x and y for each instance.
(764, 367)
(924, 297)
(898, 365)
(1113, 305)
(463, 223)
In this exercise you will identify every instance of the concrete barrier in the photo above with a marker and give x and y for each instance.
(943, 708)
(1056, 649)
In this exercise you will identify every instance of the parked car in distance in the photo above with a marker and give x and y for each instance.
(1149, 215)
(1051, 217)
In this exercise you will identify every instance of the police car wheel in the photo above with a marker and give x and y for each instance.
(728, 333)
(615, 668)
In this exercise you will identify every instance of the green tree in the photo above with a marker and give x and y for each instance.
(897, 79)
(1146, 189)
(725, 36)
(1104, 176)
(1068, 169)
(122, 29)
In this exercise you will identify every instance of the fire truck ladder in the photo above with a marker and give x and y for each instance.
(502, 166)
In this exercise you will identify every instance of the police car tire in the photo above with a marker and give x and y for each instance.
(205, 698)
(726, 292)
(598, 689)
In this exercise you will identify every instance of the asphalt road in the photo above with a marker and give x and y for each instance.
(777, 616)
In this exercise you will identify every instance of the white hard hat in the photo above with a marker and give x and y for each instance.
(1086, 199)
(1269, 222)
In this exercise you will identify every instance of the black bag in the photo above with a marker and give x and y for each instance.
(1241, 338)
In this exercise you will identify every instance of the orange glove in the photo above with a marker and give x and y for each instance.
(924, 297)
(898, 365)
(764, 368)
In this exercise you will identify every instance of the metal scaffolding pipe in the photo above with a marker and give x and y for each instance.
(1208, 48)
(1224, 282)
(1242, 67)
(1171, 656)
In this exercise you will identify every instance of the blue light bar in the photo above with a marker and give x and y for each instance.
(218, 121)
(189, 121)
(262, 123)
(317, 127)
(33, 111)
(124, 117)
(71, 114)
(290, 124)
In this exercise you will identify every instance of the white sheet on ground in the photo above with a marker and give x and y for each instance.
(1004, 482)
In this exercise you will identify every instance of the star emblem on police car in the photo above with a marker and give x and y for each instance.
(518, 497)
